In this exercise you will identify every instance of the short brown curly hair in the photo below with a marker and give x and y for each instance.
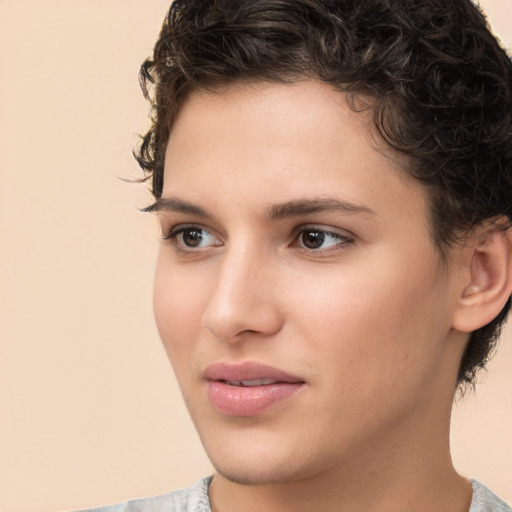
(440, 86)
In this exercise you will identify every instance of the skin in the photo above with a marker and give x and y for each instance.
(365, 319)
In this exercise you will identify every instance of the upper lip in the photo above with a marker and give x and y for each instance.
(249, 370)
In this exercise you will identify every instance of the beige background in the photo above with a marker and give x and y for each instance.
(89, 411)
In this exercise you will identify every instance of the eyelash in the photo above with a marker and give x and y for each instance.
(173, 237)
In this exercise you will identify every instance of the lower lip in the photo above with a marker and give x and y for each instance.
(249, 401)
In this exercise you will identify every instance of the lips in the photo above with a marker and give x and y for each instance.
(249, 388)
(251, 383)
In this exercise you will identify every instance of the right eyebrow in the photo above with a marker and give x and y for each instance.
(172, 204)
(315, 205)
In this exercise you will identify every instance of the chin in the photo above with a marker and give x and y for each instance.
(244, 474)
(254, 462)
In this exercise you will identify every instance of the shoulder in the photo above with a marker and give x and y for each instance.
(191, 499)
(485, 500)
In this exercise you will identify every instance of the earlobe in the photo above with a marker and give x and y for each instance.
(489, 282)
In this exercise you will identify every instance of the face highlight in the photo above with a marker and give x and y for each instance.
(298, 293)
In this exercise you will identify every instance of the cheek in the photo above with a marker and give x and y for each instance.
(373, 325)
(178, 302)
(373, 347)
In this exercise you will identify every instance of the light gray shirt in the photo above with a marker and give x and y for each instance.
(195, 499)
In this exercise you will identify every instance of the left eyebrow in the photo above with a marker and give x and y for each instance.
(315, 205)
(171, 204)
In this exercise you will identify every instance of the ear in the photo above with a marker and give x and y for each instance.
(488, 277)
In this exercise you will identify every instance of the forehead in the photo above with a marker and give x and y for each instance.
(273, 140)
(272, 105)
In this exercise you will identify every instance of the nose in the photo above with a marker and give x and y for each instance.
(244, 299)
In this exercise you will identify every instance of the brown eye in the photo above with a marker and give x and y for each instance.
(192, 237)
(321, 240)
(312, 239)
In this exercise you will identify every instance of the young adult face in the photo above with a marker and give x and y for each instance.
(298, 260)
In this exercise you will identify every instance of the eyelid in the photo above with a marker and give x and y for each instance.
(176, 229)
(339, 232)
